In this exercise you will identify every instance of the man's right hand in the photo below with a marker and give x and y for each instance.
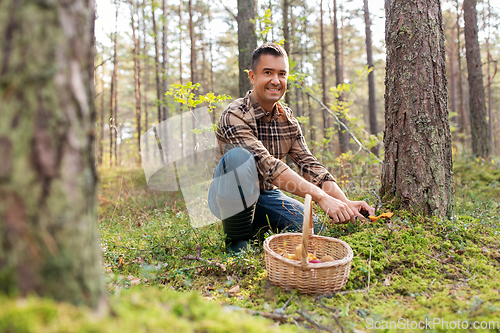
(338, 210)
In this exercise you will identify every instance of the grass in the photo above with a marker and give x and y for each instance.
(421, 269)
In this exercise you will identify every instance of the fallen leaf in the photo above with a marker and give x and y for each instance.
(234, 290)
(135, 281)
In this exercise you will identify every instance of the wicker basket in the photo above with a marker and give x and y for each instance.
(308, 278)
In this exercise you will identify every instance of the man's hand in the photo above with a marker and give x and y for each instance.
(361, 208)
(339, 211)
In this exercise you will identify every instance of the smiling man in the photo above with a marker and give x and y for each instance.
(254, 134)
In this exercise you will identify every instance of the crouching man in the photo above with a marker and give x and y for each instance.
(254, 134)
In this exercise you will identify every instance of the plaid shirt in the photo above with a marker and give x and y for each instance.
(270, 138)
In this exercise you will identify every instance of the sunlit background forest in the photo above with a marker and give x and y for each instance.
(141, 52)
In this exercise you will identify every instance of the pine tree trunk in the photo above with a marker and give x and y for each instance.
(463, 127)
(146, 67)
(247, 41)
(112, 99)
(477, 103)
(339, 79)
(164, 48)
(157, 63)
(48, 230)
(286, 36)
(372, 106)
(326, 122)
(137, 80)
(417, 171)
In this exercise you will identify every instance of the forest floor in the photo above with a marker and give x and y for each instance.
(409, 272)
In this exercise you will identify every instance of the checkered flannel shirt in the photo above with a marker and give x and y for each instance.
(244, 123)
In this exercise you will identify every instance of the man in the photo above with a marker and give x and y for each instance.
(254, 134)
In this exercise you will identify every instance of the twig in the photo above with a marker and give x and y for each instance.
(379, 202)
(102, 63)
(199, 258)
(369, 268)
(335, 317)
(340, 123)
(313, 322)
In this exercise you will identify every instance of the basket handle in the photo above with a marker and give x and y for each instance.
(307, 228)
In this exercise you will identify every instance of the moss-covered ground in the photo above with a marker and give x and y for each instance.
(409, 273)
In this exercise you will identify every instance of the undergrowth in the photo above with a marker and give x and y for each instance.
(406, 270)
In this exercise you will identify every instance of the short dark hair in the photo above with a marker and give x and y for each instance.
(267, 48)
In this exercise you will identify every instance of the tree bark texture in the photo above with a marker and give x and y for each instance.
(477, 102)
(417, 171)
(137, 78)
(112, 100)
(339, 79)
(164, 63)
(372, 106)
(48, 230)
(157, 63)
(247, 41)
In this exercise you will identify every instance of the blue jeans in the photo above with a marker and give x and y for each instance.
(273, 208)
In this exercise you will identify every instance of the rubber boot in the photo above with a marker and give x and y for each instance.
(238, 230)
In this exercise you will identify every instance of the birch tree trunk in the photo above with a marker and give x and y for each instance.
(48, 230)
(417, 170)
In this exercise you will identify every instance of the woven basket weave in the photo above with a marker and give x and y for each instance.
(308, 278)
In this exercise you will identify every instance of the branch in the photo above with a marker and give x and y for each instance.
(340, 123)
(228, 10)
(102, 63)
(313, 322)
(199, 258)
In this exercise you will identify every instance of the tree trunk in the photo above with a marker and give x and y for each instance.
(193, 43)
(326, 122)
(247, 41)
(479, 126)
(137, 80)
(417, 170)
(112, 99)
(146, 67)
(164, 63)
(286, 36)
(157, 63)
(453, 73)
(339, 79)
(101, 120)
(48, 230)
(372, 106)
(463, 119)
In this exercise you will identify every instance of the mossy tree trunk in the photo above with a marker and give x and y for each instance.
(417, 170)
(48, 231)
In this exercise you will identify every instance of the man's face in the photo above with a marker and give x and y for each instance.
(269, 80)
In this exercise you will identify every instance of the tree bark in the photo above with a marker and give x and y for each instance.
(137, 80)
(247, 41)
(477, 103)
(146, 66)
(48, 230)
(286, 36)
(112, 102)
(463, 118)
(417, 171)
(157, 63)
(372, 106)
(326, 122)
(339, 79)
(164, 63)
(193, 43)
